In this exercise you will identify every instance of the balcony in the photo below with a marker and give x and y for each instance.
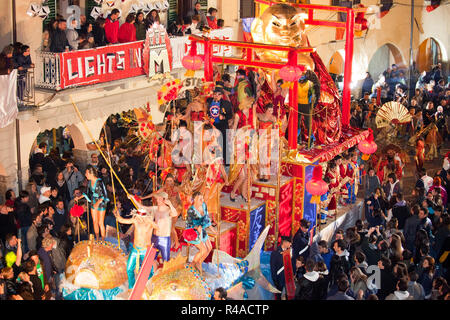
(59, 71)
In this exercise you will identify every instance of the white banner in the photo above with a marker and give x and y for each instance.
(181, 45)
(8, 98)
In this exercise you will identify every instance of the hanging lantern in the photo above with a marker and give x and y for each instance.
(192, 61)
(316, 186)
(368, 146)
(291, 72)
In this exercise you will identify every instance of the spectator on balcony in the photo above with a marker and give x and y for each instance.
(220, 23)
(212, 20)
(72, 35)
(152, 17)
(198, 12)
(47, 34)
(112, 26)
(194, 26)
(23, 62)
(86, 37)
(58, 40)
(99, 33)
(139, 24)
(127, 31)
(177, 28)
(6, 60)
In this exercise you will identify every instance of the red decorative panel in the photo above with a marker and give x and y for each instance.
(241, 218)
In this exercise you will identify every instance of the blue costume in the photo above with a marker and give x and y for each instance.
(324, 210)
(195, 219)
(351, 187)
(96, 192)
(163, 246)
(135, 259)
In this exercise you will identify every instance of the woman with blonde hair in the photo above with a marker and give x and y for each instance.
(358, 282)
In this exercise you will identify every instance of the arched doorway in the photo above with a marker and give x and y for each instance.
(429, 53)
(383, 59)
(336, 67)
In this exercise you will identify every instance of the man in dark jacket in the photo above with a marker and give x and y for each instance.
(59, 42)
(424, 222)
(409, 231)
(23, 216)
(369, 246)
(99, 33)
(340, 262)
(277, 265)
(311, 286)
(400, 210)
(387, 279)
(221, 112)
(300, 243)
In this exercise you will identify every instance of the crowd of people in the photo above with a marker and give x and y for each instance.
(59, 37)
(407, 240)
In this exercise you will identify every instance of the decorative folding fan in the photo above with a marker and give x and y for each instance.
(392, 112)
(33, 9)
(134, 8)
(44, 12)
(110, 3)
(96, 12)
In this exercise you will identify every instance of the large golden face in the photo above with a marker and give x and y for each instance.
(280, 24)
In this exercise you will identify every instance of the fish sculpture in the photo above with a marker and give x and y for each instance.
(177, 280)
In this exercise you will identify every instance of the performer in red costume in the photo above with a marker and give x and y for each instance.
(334, 177)
(343, 171)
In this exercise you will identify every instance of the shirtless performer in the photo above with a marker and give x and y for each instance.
(163, 212)
(143, 222)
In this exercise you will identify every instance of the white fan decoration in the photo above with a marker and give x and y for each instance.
(98, 2)
(392, 113)
(96, 12)
(165, 5)
(135, 8)
(158, 5)
(110, 3)
(44, 12)
(33, 9)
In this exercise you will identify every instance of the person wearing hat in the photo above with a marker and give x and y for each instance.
(143, 231)
(277, 264)
(220, 112)
(163, 212)
(300, 243)
(46, 192)
(243, 88)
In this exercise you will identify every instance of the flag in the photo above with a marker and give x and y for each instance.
(386, 5)
(247, 26)
(434, 4)
(8, 98)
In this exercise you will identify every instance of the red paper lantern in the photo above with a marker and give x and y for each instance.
(368, 146)
(192, 61)
(76, 211)
(316, 186)
(290, 73)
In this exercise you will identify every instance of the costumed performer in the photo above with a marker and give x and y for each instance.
(420, 154)
(199, 220)
(221, 112)
(433, 139)
(182, 152)
(243, 127)
(325, 200)
(143, 222)
(216, 177)
(163, 212)
(308, 94)
(242, 89)
(97, 197)
(267, 122)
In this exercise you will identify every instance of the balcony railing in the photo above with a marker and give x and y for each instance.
(57, 71)
(25, 89)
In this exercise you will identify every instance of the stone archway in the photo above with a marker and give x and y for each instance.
(383, 58)
(429, 53)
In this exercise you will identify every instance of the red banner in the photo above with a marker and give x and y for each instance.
(104, 64)
(288, 275)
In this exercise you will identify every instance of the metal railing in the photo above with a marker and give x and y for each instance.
(48, 74)
(25, 89)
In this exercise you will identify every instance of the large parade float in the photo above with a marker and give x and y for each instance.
(277, 48)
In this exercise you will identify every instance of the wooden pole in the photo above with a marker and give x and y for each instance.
(277, 193)
(112, 183)
(101, 152)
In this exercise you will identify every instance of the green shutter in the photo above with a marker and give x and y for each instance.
(173, 9)
(52, 15)
(90, 4)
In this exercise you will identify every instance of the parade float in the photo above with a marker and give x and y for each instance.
(277, 205)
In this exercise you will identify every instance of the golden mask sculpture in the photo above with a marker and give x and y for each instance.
(281, 24)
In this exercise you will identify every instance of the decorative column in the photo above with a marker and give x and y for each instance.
(346, 96)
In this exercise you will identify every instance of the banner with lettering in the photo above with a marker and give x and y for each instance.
(181, 45)
(104, 64)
